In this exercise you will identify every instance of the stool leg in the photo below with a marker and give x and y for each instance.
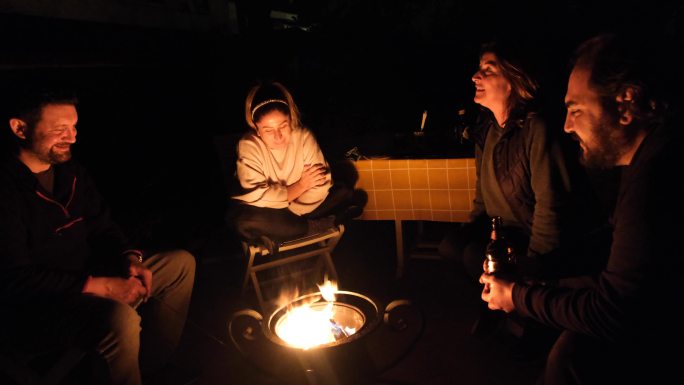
(250, 264)
(331, 267)
(257, 289)
(291, 254)
(326, 254)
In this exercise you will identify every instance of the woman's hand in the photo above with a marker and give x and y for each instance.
(312, 176)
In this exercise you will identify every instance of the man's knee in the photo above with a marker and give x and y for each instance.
(121, 319)
(182, 261)
(179, 262)
(111, 323)
(172, 269)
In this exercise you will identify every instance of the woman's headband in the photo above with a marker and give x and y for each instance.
(265, 102)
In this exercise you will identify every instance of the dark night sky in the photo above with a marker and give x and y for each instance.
(153, 99)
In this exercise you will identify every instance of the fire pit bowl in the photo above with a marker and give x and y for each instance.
(363, 339)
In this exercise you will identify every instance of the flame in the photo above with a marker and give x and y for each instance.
(304, 327)
(313, 324)
(328, 290)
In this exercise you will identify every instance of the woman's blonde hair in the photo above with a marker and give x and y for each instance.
(264, 98)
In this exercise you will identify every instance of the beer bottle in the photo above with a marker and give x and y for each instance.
(499, 258)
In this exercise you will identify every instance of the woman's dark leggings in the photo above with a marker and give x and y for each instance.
(251, 222)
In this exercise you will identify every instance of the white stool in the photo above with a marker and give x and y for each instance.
(263, 256)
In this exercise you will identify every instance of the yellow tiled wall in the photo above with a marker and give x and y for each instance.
(418, 189)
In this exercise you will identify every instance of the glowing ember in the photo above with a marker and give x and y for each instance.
(313, 324)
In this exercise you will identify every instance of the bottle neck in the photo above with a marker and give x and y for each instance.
(496, 228)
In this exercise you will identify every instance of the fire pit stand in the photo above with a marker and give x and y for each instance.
(384, 336)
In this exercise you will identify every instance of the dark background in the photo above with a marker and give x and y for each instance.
(162, 101)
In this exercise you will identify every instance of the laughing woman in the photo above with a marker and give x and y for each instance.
(521, 173)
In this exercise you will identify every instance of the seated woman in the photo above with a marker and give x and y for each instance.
(287, 187)
(522, 177)
(521, 172)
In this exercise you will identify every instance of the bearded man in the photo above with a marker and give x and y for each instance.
(615, 329)
(68, 276)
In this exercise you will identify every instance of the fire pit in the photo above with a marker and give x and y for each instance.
(329, 337)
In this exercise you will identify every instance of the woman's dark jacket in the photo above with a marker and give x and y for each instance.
(531, 172)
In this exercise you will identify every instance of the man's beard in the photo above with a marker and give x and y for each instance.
(57, 158)
(605, 150)
(51, 156)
